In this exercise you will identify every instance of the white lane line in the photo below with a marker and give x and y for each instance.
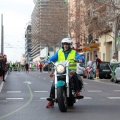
(94, 91)
(116, 90)
(40, 91)
(43, 98)
(13, 91)
(85, 83)
(14, 98)
(44, 78)
(87, 98)
(51, 81)
(114, 98)
(105, 82)
(45, 72)
(1, 86)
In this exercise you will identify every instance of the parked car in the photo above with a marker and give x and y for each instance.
(115, 72)
(87, 69)
(80, 68)
(104, 71)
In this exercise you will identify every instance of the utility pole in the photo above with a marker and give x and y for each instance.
(2, 41)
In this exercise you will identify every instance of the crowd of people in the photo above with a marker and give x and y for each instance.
(3, 66)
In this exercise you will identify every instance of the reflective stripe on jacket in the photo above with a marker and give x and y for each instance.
(71, 55)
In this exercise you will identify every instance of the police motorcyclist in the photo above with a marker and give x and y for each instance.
(63, 54)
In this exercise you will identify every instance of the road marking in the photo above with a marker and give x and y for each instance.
(51, 81)
(13, 91)
(94, 91)
(44, 78)
(106, 83)
(45, 72)
(14, 98)
(21, 107)
(85, 83)
(116, 90)
(114, 98)
(43, 98)
(87, 98)
(1, 86)
(27, 82)
(40, 91)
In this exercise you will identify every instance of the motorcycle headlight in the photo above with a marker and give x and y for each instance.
(60, 68)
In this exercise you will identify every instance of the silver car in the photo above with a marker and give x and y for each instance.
(117, 74)
(80, 69)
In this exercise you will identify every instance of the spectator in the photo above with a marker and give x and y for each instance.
(3, 60)
(97, 66)
(11, 67)
(18, 67)
(113, 60)
(27, 67)
(40, 67)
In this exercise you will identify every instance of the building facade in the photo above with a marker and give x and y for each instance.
(28, 44)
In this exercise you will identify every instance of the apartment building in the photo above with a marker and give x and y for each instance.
(28, 44)
(49, 26)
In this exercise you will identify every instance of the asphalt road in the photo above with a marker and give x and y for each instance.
(23, 97)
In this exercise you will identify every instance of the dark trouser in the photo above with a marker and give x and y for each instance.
(2, 72)
(40, 69)
(77, 85)
(10, 69)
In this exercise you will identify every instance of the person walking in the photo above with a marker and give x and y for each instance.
(40, 67)
(98, 61)
(113, 60)
(27, 67)
(11, 66)
(3, 66)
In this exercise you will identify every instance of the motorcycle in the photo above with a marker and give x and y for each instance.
(64, 87)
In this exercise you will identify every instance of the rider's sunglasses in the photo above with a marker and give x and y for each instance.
(65, 43)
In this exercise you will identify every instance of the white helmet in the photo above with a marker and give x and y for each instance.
(66, 40)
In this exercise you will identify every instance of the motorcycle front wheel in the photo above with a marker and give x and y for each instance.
(62, 99)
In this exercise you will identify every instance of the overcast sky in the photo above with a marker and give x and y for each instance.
(16, 15)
